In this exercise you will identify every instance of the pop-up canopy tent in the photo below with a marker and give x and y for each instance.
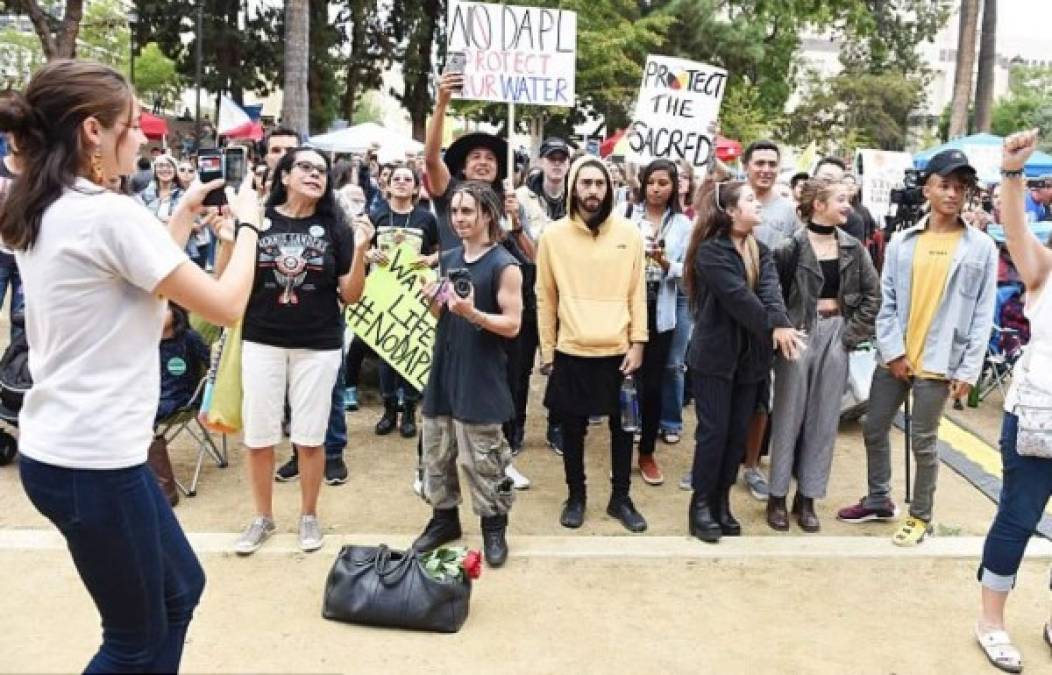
(984, 153)
(153, 127)
(363, 137)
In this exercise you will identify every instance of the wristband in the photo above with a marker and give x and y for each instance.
(240, 224)
(1017, 173)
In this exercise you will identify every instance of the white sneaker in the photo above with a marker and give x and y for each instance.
(519, 481)
(418, 484)
(311, 538)
(257, 532)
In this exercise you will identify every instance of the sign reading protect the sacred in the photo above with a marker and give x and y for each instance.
(678, 102)
(392, 316)
(524, 55)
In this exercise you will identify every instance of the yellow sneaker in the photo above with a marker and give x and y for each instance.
(911, 533)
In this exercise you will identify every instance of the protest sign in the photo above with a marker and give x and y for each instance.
(678, 102)
(392, 316)
(524, 55)
(881, 171)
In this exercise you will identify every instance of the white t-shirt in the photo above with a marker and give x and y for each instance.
(94, 325)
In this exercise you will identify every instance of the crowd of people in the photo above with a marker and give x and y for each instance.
(632, 290)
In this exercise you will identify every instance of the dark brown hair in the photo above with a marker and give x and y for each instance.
(46, 121)
(712, 220)
(486, 201)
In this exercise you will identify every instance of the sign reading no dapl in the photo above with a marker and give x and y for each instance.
(525, 55)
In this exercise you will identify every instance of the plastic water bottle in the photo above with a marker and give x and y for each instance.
(629, 405)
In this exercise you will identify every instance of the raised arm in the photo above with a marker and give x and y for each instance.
(437, 171)
(1031, 257)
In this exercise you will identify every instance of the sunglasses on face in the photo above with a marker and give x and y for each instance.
(307, 167)
(186, 169)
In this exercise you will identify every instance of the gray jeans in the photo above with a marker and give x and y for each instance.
(806, 412)
(886, 395)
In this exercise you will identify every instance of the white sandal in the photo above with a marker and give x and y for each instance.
(999, 649)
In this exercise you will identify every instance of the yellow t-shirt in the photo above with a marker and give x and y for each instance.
(931, 266)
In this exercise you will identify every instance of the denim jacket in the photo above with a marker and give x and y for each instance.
(961, 327)
(677, 229)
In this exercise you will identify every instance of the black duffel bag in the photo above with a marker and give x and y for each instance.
(378, 586)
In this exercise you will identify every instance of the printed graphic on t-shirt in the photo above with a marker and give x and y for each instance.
(290, 256)
(176, 366)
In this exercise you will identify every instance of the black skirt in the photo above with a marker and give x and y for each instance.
(584, 386)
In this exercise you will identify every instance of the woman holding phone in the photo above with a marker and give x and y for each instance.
(98, 267)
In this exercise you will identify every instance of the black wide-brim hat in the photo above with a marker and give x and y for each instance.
(457, 153)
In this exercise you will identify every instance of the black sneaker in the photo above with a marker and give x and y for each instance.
(555, 438)
(335, 471)
(624, 510)
(290, 470)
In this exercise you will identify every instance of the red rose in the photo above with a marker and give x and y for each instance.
(472, 564)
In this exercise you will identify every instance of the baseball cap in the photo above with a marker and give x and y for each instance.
(554, 144)
(947, 162)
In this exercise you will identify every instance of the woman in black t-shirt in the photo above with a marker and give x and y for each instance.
(398, 220)
(308, 261)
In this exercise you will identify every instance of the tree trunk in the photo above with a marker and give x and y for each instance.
(294, 113)
(984, 86)
(62, 44)
(962, 81)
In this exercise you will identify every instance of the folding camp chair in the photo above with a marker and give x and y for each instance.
(185, 420)
(1002, 353)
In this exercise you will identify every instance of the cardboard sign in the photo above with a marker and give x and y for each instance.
(392, 316)
(525, 55)
(678, 101)
(881, 171)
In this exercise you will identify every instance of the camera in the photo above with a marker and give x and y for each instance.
(910, 193)
(460, 279)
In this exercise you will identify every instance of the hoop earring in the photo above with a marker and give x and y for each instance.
(97, 175)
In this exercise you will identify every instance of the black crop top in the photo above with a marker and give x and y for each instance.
(831, 278)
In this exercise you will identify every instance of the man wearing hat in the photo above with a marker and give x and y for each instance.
(477, 156)
(938, 292)
(1039, 199)
(543, 198)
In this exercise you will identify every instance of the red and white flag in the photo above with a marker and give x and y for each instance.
(234, 122)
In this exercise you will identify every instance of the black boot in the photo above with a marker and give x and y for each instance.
(729, 525)
(443, 528)
(408, 426)
(622, 508)
(389, 421)
(806, 517)
(573, 510)
(701, 520)
(494, 544)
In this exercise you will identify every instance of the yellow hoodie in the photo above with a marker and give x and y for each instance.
(591, 288)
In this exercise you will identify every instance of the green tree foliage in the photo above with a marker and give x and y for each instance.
(1028, 103)
(156, 79)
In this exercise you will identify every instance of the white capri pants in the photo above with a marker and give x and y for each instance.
(309, 374)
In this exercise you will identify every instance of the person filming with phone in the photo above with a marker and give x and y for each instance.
(478, 303)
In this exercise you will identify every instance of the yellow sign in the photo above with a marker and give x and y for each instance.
(393, 318)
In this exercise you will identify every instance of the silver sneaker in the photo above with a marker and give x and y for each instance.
(687, 482)
(519, 481)
(311, 538)
(258, 531)
(757, 484)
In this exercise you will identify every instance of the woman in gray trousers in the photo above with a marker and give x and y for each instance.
(832, 292)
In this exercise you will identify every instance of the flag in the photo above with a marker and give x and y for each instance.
(234, 122)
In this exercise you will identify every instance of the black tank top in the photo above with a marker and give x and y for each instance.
(469, 368)
(830, 278)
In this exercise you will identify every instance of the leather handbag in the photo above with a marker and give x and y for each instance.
(378, 586)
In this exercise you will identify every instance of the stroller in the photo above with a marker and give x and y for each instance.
(15, 381)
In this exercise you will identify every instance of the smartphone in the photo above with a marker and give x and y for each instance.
(456, 62)
(235, 164)
(210, 168)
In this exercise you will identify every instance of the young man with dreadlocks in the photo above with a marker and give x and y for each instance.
(468, 396)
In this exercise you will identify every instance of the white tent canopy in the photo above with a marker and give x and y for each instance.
(393, 146)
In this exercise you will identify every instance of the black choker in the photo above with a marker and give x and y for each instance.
(821, 229)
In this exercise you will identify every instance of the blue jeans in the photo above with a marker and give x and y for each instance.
(336, 433)
(131, 555)
(672, 387)
(9, 277)
(1026, 486)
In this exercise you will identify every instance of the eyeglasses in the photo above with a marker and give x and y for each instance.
(307, 167)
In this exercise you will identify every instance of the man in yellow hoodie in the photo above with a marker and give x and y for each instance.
(592, 320)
